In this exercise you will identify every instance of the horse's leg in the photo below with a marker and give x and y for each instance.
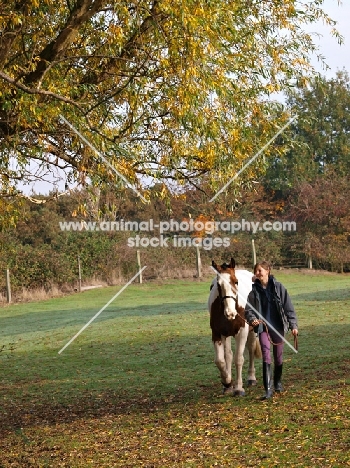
(228, 360)
(223, 361)
(251, 345)
(241, 339)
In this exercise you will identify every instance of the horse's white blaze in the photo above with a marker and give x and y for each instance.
(227, 290)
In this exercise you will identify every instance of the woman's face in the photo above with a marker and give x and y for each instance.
(262, 274)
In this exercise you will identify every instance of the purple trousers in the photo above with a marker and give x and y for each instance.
(266, 346)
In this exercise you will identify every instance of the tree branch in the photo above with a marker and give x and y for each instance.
(42, 92)
(156, 16)
(84, 10)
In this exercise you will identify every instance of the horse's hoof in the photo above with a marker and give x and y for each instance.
(239, 393)
(227, 390)
(251, 383)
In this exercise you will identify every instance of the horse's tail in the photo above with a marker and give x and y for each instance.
(257, 349)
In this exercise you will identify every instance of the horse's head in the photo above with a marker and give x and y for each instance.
(227, 285)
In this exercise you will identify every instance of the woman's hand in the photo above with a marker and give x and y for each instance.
(254, 323)
(295, 332)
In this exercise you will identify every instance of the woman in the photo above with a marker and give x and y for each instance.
(275, 312)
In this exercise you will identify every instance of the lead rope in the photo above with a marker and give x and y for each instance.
(276, 344)
(296, 342)
(268, 334)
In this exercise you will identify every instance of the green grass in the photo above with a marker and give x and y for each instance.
(138, 388)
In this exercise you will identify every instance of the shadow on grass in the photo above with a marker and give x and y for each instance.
(53, 320)
(87, 385)
(329, 295)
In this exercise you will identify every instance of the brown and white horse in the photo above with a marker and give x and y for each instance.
(226, 303)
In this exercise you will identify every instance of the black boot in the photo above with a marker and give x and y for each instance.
(267, 381)
(277, 378)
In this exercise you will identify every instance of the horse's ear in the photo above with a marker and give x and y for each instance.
(233, 263)
(214, 265)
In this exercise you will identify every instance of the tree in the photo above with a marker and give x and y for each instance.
(321, 133)
(165, 89)
(321, 209)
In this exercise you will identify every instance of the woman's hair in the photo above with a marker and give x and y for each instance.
(264, 264)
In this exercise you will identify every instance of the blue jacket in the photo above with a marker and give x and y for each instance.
(281, 307)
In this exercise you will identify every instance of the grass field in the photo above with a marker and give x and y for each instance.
(138, 388)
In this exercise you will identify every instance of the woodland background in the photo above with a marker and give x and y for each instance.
(309, 186)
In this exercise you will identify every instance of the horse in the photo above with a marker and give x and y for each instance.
(226, 303)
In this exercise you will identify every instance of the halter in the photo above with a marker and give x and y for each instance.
(222, 298)
(228, 297)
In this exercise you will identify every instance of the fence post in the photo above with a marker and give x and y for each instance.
(79, 274)
(139, 265)
(8, 286)
(254, 252)
(198, 262)
(309, 262)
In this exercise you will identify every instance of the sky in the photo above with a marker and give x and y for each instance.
(336, 56)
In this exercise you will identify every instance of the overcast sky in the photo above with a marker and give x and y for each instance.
(336, 56)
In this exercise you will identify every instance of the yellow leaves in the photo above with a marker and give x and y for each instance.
(116, 33)
(290, 9)
(273, 87)
(125, 168)
(32, 108)
(16, 19)
(202, 66)
(301, 61)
